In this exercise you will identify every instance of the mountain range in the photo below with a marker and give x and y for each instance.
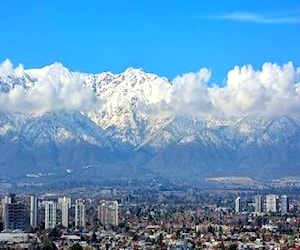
(115, 126)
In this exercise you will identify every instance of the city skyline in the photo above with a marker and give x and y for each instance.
(145, 124)
(179, 216)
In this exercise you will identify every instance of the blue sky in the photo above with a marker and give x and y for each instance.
(166, 37)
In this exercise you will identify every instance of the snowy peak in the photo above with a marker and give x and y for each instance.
(52, 116)
(125, 100)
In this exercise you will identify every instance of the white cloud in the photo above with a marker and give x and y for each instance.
(271, 90)
(191, 93)
(188, 95)
(56, 88)
(6, 68)
(240, 16)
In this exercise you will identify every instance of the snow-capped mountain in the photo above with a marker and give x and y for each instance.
(52, 119)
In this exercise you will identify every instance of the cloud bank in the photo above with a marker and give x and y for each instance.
(54, 88)
(190, 94)
(271, 90)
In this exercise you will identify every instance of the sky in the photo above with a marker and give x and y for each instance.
(169, 37)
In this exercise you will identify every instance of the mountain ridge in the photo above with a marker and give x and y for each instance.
(126, 128)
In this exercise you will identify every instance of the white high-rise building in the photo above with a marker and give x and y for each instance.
(65, 205)
(50, 214)
(33, 211)
(271, 203)
(6, 200)
(258, 201)
(102, 213)
(80, 214)
(237, 204)
(108, 212)
(284, 204)
(113, 213)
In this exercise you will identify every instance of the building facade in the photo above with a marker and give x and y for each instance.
(108, 213)
(50, 214)
(15, 216)
(258, 202)
(237, 204)
(33, 211)
(65, 205)
(284, 204)
(271, 203)
(80, 214)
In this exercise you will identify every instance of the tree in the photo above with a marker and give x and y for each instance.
(160, 239)
(55, 233)
(233, 247)
(222, 246)
(48, 245)
(94, 237)
(76, 246)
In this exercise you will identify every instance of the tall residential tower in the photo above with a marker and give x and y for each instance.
(80, 214)
(258, 201)
(50, 214)
(65, 205)
(108, 213)
(33, 211)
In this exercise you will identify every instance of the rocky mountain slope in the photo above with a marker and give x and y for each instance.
(123, 131)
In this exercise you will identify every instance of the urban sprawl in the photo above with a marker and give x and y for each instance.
(150, 218)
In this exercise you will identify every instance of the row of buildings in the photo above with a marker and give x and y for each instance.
(30, 212)
(271, 204)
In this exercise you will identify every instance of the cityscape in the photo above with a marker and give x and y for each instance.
(152, 216)
(140, 125)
